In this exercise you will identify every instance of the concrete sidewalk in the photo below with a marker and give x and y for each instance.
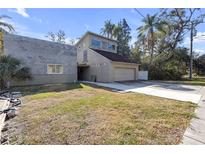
(195, 133)
(154, 90)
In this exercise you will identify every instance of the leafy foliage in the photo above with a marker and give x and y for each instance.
(4, 26)
(174, 69)
(120, 32)
(147, 34)
(11, 68)
(160, 39)
(109, 29)
(199, 65)
(123, 35)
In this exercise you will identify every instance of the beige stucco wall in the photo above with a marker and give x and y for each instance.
(85, 43)
(99, 66)
(103, 68)
(82, 46)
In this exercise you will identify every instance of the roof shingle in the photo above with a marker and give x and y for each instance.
(113, 56)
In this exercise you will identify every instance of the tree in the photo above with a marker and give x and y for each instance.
(147, 32)
(173, 69)
(199, 65)
(176, 23)
(123, 36)
(4, 26)
(59, 36)
(109, 29)
(121, 32)
(136, 54)
(72, 41)
(51, 36)
(12, 69)
(163, 35)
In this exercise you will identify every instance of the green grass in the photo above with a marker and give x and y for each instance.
(90, 115)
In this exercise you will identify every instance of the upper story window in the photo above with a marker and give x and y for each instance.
(85, 56)
(111, 47)
(54, 69)
(104, 45)
(96, 43)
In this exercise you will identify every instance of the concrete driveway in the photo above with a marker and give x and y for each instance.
(166, 90)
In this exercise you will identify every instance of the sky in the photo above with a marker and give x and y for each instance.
(37, 23)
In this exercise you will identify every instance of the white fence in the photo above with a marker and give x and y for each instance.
(143, 75)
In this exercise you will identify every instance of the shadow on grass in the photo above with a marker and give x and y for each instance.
(36, 89)
(101, 87)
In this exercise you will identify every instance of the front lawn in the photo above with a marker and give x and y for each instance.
(81, 114)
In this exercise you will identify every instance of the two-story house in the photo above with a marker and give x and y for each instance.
(98, 60)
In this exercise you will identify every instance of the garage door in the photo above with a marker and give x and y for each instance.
(124, 74)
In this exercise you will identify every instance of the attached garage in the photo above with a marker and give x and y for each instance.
(124, 74)
(115, 68)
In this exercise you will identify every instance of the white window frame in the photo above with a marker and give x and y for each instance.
(55, 66)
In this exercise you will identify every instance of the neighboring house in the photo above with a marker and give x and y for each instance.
(98, 60)
(49, 62)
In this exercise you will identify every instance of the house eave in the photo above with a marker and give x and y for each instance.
(125, 63)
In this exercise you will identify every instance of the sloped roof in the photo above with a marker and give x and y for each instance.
(113, 56)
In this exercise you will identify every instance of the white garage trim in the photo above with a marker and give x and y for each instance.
(124, 74)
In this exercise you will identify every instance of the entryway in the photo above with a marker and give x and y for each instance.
(82, 69)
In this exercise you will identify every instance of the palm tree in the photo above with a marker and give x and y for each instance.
(12, 69)
(109, 29)
(4, 24)
(147, 31)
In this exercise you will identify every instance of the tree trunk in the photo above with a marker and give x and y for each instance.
(152, 47)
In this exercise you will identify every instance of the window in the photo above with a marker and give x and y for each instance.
(104, 45)
(85, 56)
(95, 43)
(54, 69)
(111, 47)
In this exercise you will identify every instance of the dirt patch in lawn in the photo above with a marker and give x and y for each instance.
(90, 115)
